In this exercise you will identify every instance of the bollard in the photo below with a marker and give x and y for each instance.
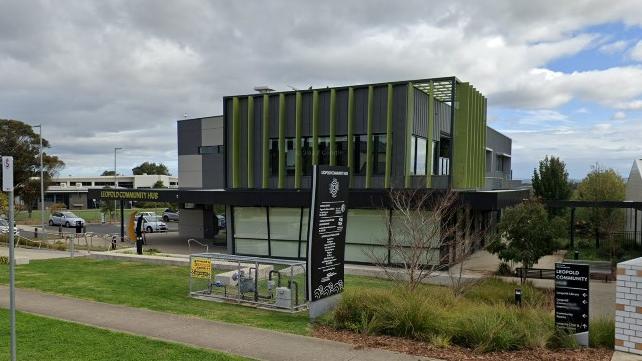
(518, 296)
(576, 255)
(35, 232)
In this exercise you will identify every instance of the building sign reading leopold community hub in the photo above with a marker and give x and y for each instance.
(169, 195)
(327, 231)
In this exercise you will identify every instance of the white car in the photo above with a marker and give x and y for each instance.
(65, 219)
(152, 224)
(4, 227)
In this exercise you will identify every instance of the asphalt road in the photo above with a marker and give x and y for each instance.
(106, 228)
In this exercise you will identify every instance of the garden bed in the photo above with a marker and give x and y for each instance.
(454, 353)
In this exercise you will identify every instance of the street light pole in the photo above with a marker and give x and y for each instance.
(42, 182)
(115, 174)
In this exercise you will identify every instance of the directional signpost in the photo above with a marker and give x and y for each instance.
(572, 300)
(7, 186)
(326, 237)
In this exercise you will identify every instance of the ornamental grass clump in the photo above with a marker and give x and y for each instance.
(484, 319)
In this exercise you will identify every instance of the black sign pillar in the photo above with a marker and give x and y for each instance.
(326, 237)
(572, 300)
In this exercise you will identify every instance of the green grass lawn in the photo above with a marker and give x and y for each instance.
(165, 288)
(155, 287)
(40, 338)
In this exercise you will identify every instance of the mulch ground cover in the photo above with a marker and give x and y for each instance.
(455, 353)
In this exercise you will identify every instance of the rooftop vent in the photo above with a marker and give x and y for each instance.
(263, 89)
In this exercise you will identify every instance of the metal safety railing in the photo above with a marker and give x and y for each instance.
(192, 240)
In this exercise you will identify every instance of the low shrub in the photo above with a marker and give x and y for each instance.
(504, 269)
(484, 319)
(602, 332)
(4, 260)
(493, 291)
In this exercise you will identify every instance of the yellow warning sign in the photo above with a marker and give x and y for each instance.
(201, 268)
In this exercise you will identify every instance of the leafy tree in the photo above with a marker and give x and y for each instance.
(550, 181)
(602, 185)
(4, 204)
(20, 141)
(159, 184)
(108, 173)
(151, 168)
(525, 234)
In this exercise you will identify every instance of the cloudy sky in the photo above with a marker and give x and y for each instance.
(562, 77)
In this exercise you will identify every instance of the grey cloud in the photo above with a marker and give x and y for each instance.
(119, 73)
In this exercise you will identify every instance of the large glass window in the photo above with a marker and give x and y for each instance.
(368, 226)
(250, 231)
(324, 150)
(341, 156)
(379, 158)
(285, 223)
(250, 222)
(274, 156)
(418, 155)
(290, 156)
(306, 155)
(360, 154)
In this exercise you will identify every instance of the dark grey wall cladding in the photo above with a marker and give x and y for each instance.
(189, 136)
(324, 113)
(497, 141)
(243, 143)
(274, 116)
(306, 113)
(400, 94)
(290, 115)
(361, 110)
(258, 140)
(420, 116)
(213, 174)
(342, 112)
(380, 109)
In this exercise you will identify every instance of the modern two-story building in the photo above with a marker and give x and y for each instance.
(257, 160)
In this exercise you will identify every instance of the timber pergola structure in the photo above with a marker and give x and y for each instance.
(573, 205)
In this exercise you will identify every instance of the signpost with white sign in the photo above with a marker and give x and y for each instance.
(7, 186)
(572, 300)
(326, 237)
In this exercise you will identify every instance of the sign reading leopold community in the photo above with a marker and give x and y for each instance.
(327, 231)
(572, 298)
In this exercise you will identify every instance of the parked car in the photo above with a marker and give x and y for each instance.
(170, 215)
(221, 221)
(4, 227)
(147, 214)
(65, 219)
(153, 224)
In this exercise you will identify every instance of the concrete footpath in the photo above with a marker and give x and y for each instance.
(235, 339)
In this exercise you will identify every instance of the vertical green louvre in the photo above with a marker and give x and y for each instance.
(386, 183)
(282, 149)
(265, 161)
(469, 138)
(250, 142)
(298, 163)
(369, 143)
(410, 111)
(351, 132)
(236, 144)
